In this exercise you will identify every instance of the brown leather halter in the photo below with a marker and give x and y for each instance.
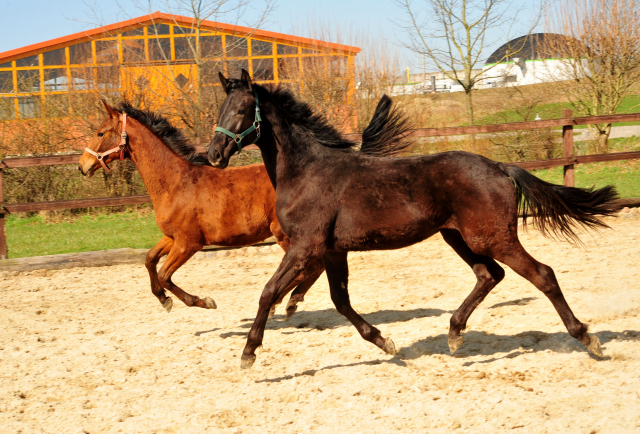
(121, 147)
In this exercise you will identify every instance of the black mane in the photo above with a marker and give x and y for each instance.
(385, 136)
(302, 114)
(168, 134)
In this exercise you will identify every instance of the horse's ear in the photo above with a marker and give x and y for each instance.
(224, 82)
(245, 78)
(110, 110)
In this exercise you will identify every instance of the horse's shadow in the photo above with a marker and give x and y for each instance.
(327, 319)
(485, 344)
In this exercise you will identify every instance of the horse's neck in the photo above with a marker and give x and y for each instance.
(281, 152)
(156, 163)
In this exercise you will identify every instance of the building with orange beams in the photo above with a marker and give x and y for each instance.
(158, 55)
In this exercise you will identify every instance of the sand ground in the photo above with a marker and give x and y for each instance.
(92, 351)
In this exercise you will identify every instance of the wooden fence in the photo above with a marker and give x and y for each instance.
(568, 160)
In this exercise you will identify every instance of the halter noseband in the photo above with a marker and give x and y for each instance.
(255, 127)
(121, 147)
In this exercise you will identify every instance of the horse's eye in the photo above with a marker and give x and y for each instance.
(241, 111)
(100, 134)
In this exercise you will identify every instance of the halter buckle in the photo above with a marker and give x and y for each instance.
(124, 135)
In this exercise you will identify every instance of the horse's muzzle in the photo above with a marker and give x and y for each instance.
(216, 159)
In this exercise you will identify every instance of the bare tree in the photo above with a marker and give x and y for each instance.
(599, 57)
(453, 35)
(194, 100)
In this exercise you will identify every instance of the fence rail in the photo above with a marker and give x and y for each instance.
(568, 160)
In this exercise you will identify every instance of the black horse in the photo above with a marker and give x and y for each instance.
(332, 200)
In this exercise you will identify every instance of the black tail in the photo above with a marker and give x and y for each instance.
(557, 209)
(385, 136)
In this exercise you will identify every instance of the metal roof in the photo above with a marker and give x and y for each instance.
(530, 46)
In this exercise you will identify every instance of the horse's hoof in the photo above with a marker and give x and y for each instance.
(291, 310)
(389, 347)
(247, 361)
(454, 344)
(209, 303)
(594, 346)
(272, 311)
(168, 304)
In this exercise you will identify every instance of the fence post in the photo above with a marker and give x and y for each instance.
(4, 254)
(567, 149)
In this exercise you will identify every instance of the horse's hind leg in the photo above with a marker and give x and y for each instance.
(153, 256)
(338, 275)
(488, 273)
(176, 259)
(543, 277)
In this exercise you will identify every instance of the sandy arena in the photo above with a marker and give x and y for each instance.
(92, 350)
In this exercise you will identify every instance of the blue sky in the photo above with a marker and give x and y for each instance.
(32, 21)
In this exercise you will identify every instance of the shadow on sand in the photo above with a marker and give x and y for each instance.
(306, 321)
(485, 344)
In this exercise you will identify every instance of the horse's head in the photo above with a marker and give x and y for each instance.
(238, 120)
(106, 138)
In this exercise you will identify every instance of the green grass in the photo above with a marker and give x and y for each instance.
(625, 176)
(34, 236)
(630, 104)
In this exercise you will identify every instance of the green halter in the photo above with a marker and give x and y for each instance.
(255, 127)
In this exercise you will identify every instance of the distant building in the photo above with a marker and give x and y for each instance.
(529, 66)
(155, 53)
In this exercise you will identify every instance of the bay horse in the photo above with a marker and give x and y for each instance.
(196, 205)
(332, 200)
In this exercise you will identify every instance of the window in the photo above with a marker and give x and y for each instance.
(159, 29)
(133, 50)
(159, 49)
(108, 77)
(28, 108)
(134, 32)
(28, 61)
(184, 48)
(235, 67)
(106, 52)
(209, 71)
(310, 51)
(287, 49)
(177, 30)
(81, 78)
(28, 81)
(261, 48)
(6, 65)
(313, 65)
(55, 57)
(237, 47)
(210, 46)
(81, 53)
(7, 109)
(288, 68)
(263, 69)
(6, 82)
(55, 80)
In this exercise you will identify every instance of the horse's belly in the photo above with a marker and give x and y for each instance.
(382, 234)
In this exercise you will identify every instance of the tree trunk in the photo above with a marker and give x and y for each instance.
(470, 119)
(603, 139)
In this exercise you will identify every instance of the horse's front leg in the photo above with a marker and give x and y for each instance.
(289, 273)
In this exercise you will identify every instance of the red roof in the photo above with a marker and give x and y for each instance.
(159, 17)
